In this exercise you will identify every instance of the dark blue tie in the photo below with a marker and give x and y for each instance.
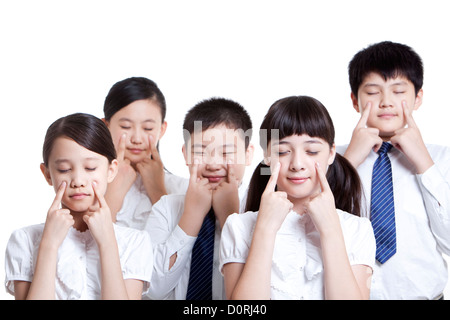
(200, 278)
(382, 212)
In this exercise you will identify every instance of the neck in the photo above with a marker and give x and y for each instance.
(79, 223)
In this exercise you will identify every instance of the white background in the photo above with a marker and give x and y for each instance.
(61, 57)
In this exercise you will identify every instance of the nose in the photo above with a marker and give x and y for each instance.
(386, 101)
(136, 136)
(297, 162)
(213, 160)
(78, 180)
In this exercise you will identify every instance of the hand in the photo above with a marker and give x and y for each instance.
(363, 140)
(152, 172)
(225, 199)
(98, 219)
(126, 175)
(409, 141)
(58, 221)
(321, 207)
(274, 205)
(197, 202)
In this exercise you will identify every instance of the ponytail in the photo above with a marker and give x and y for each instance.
(256, 187)
(342, 177)
(346, 185)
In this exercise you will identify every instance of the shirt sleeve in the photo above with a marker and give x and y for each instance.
(18, 259)
(235, 240)
(435, 186)
(138, 263)
(168, 238)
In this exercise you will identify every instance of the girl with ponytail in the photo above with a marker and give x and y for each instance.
(301, 237)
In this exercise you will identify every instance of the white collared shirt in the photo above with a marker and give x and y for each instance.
(137, 206)
(422, 215)
(168, 238)
(78, 273)
(297, 267)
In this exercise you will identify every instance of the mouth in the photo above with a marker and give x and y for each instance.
(135, 150)
(387, 116)
(79, 196)
(298, 180)
(214, 179)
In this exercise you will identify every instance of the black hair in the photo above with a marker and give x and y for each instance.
(86, 130)
(216, 111)
(129, 90)
(299, 115)
(390, 60)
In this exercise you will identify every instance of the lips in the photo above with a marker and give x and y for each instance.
(387, 115)
(298, 180)
(214, 179)
(135, 150)
(79, 196)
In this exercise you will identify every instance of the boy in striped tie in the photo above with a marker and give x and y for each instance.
(406, 182)
(185, 229)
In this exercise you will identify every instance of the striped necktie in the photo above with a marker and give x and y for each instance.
(382, 212)
(200, 277)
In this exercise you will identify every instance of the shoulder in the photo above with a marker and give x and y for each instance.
(130, 237)
(175, 184)
(240, 225)
(30, 234)
(355, 227)
(171, 204)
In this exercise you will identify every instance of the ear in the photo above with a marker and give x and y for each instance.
(163, 129)
(185, 154)
(46, 174)
(112, 170)
(332, 154)
(249, 154)
(355, 102)
(105, 122)
(419, 99)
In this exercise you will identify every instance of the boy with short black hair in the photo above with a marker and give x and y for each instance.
(406, 182)
(185, 229)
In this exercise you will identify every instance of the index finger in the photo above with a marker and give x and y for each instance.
(59, 194)
(121, 148)
(322, 179)
(408, 115)
(364, 116)
(274, 177)
(230, 168)
(193, 168)
(100, 198)
(153, 154)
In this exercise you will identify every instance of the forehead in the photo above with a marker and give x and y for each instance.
(374, 79)
(217, 136)
(139, 111)
(65, 149)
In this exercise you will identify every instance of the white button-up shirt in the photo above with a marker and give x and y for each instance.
(422, 215)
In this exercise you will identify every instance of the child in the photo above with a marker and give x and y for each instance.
(386, 82)
(78, 253)
(134, 111)
(217, 148)
(296, 241)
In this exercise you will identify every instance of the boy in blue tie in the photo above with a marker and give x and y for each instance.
(406, 182)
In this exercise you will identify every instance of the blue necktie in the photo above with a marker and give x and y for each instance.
(382, 212)
(200, 278)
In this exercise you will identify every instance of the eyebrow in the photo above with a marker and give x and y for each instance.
(311, 141)
(229, 145)
(400, 83)
(129, 120)
(58, 161)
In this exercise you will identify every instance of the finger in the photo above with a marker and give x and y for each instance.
(122, 147)
(322, 179)
(362, 123)
(101, 200)
(230, 176)
(59, 194)
(408, 115)
(193, 169)
(154, 154)
(271, 185)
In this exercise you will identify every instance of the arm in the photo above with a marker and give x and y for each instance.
(252, 280)
(100, 224)
(339, 280)
(58, 223)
